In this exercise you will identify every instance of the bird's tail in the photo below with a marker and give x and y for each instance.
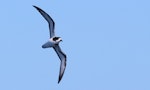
(47, 45)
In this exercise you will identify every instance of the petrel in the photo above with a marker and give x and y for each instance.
(54, 42)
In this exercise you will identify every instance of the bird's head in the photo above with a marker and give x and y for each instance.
(57, 39)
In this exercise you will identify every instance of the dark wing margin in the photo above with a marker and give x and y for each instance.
(63, 59)
(49, 20)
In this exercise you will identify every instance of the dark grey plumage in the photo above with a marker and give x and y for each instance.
(49, 20)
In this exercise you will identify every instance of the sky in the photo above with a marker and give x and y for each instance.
(107, 43)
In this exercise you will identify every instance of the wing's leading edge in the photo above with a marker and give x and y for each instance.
(49, 20)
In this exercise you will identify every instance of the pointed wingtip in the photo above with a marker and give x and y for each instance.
(35, 6)
(59, 79)
(39, 9)
(61, 75)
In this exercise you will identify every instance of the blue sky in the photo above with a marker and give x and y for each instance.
(107, 43)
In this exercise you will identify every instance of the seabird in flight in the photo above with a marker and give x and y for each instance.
(54, 42)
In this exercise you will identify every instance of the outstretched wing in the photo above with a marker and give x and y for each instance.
(62, 57)
(49, 20)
